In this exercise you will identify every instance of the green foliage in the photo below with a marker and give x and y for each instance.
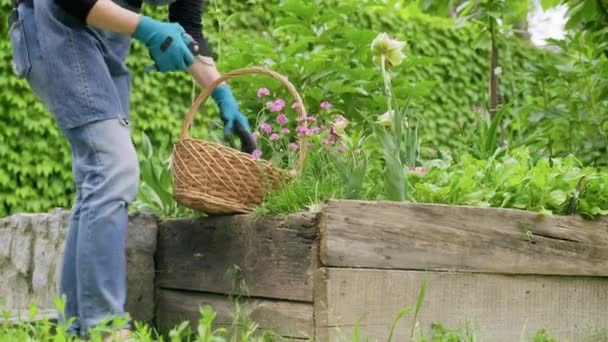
(322, 47)
(35, 161)
(506, 179)
(515, 180)
(242, 329)
(328, 57)
(398, 138)
(37, 330)
(482, 139)
(569, 114)
(155, 190)
(319, 181)
(352, 164)
(518, 9)
(443, 334)
(541, 336)
(587, 14)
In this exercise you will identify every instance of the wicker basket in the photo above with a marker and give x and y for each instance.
(217, 179)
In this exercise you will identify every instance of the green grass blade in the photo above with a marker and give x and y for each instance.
(491, 138)
(400, 315)
(419, 305)
(356, 333)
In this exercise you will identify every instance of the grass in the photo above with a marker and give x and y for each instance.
(242, 329)
(317, 182)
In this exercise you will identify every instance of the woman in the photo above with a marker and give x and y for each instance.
(72, 53)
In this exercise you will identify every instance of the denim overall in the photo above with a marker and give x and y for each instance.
(79, 73)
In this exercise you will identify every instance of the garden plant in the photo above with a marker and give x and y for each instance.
(421, 101)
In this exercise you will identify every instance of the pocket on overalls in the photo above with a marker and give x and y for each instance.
(21, 57)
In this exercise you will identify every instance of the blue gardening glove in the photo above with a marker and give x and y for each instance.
(234, 120)
(167, 44)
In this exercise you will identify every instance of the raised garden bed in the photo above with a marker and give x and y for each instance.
(313, 275)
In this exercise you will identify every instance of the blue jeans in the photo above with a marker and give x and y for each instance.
(80, 76)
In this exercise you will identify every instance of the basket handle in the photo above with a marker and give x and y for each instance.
(203, 96)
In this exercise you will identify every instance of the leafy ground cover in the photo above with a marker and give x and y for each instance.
(384, 157)
(242, 329)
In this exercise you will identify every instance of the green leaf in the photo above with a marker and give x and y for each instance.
(421, 296)
(465, 7)
(546, 4)
(152, 197)
(147, 145)
(491, 142)
(394, 178)
(33, 311)
(557, 198)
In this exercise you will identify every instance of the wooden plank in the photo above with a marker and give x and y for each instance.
(439, 237)
(498, 307)
(276, 256)
(288, 319)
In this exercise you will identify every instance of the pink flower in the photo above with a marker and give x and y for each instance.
(282, 118)
(256, 154)
(293, 146)
(322, 126)
(310, 132)
(316, 129)
(301, 129)
(339, 125)
(302, 118)
(274, 136)
(478, 109)
(312, 119)
(296, 105)
(341, 148)
(266, 127)
(419, 171)
(255, 135)
(325, 105)
(263, 92)
(277, 105)
(285, 131)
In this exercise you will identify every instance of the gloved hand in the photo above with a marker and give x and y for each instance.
(234, 120)
(167, 44)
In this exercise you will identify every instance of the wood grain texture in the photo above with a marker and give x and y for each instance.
(406, 236)
(498, 307)
(288, 319)
(276, 256)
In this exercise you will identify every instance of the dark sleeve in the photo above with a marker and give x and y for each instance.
(189, 14)
(77, 8)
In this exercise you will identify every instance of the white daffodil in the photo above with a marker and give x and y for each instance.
(386, 119)
(389, 48)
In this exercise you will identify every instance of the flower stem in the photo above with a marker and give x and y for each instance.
(387, 84)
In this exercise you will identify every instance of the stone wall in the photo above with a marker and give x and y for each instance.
(31, 252)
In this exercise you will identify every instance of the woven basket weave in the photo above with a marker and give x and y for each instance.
(217, 179)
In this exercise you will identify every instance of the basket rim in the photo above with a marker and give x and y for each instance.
(205, 94)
